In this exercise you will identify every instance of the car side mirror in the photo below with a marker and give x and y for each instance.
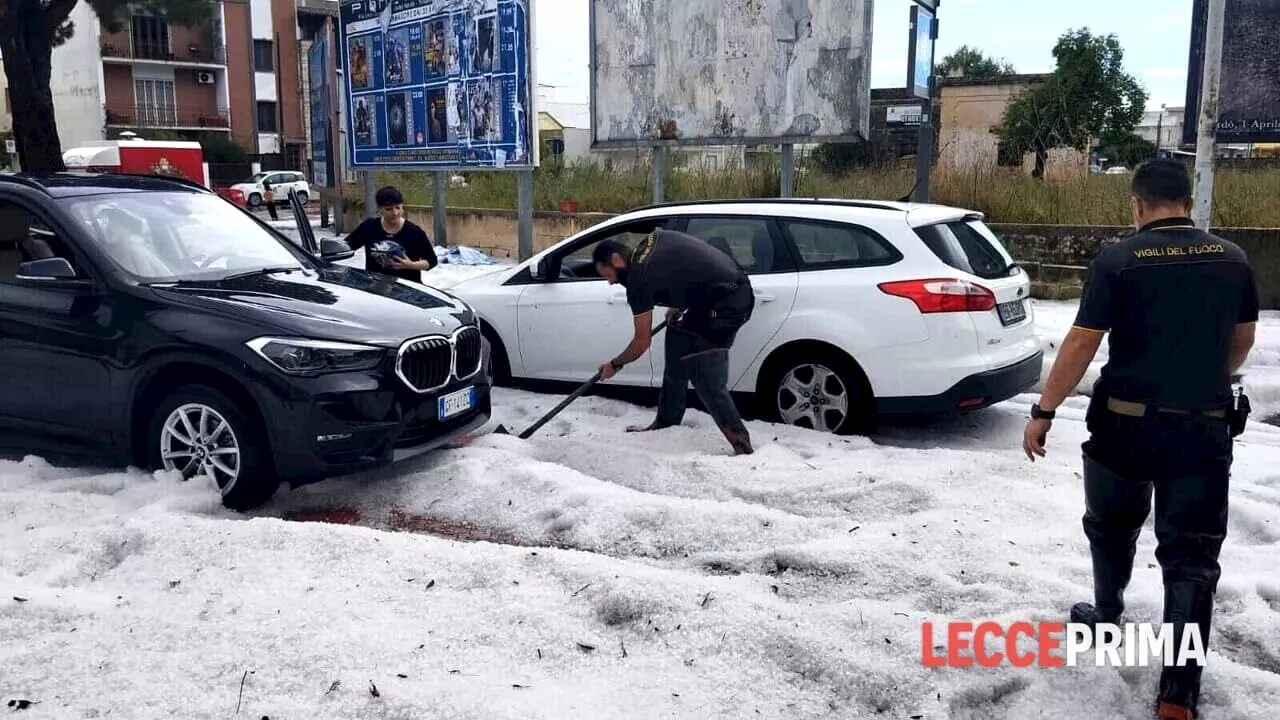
(333, 250)
(46, 270)
(539, 270)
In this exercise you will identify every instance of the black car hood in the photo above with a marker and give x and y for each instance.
(337, 303)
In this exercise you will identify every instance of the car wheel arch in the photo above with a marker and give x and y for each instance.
(163, 378)
(499, 355)
(776, 361)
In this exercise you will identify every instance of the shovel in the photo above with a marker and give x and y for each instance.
(502, 430)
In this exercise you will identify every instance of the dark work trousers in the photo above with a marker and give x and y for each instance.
(1186, 460)
(697, 352)
(271, 209)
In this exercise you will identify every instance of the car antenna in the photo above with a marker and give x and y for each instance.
(907, 198)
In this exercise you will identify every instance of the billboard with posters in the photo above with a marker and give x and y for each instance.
(1249, 105)
(439, 84)
(320, 88)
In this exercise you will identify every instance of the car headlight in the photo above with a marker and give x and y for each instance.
(301, 356)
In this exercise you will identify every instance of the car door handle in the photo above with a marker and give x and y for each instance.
(762, 297)
(616, 298)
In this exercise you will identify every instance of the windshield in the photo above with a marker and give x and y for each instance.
(182, 236)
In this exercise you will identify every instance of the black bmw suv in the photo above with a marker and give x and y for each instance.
(153, 323)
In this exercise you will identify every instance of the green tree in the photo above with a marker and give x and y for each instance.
(971, 63)
(1088, 96)
(1127, 149)
(30, 30)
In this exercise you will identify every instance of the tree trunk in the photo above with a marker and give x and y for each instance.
(28, 63)
(1042, 157)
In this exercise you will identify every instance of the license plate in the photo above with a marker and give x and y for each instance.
(1012, 312)
(456, 402)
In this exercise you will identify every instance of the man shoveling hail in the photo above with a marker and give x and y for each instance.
(710, 299)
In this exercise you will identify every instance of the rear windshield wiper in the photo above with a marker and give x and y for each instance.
(263, 271)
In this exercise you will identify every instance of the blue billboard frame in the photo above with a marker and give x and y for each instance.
(924, 33)
(439, 84)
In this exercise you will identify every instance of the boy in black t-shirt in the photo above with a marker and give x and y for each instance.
(391, 228)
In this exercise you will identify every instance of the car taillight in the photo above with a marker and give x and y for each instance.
(942, 295)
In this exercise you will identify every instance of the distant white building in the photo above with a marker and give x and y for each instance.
(1162, 127)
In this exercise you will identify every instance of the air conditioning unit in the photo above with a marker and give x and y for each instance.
(205, 78)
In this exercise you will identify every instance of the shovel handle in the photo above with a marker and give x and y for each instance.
(582, 389)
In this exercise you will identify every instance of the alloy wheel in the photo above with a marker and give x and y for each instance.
(813, 396)
(197, 440)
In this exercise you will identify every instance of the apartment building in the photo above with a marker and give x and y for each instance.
(238, 75)
(6, 110)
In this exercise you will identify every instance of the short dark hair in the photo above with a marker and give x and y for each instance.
(1162, 182)
(606, 249)
(388, 196)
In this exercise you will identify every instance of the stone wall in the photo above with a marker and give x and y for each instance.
(1056, 256)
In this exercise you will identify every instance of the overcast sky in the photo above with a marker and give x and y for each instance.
(1155, 35)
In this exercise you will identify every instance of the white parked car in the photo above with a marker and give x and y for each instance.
(281, 183)
(863, 309)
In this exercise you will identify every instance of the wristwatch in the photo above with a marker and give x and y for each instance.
(1038, 413)
(616, 365)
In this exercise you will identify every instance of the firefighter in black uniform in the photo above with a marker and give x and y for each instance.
(1181, 308)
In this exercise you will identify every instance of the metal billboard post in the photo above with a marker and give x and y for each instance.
(659, 164)
(440, 226)
(524, 215)
(1207, 132)
(370, 193)
(922, 41)
(788, 184)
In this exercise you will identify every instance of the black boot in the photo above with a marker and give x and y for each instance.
(1087, 614)
(739, 440)
(1185, 603)
(1115, 509)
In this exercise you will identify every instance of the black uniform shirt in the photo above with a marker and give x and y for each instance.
(679, 271)
(1171, 296)
(416, 244)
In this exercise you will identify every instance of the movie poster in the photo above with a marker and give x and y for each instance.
(364, 118)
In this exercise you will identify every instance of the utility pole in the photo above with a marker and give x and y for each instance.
(1207, 131)
(1160, 130)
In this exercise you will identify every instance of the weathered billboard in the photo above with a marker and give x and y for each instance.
(1249, 105)
(715, 72)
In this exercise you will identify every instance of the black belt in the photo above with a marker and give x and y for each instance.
(1137, 409)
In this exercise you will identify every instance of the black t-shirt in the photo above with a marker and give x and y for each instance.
(416, 244)
(1171, 297)
(679, 271)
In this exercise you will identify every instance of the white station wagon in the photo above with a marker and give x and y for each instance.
(863, 309)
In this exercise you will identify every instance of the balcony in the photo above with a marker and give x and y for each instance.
(319, 7)
(167, 116)
(149, 51)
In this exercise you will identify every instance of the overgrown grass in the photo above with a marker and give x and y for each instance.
(1242, 198)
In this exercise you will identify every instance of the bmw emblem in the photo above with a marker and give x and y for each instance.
(437, 322)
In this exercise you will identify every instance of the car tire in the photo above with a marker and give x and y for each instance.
(787, 392)
(304, 197)
(255, 199)
(254, 480)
